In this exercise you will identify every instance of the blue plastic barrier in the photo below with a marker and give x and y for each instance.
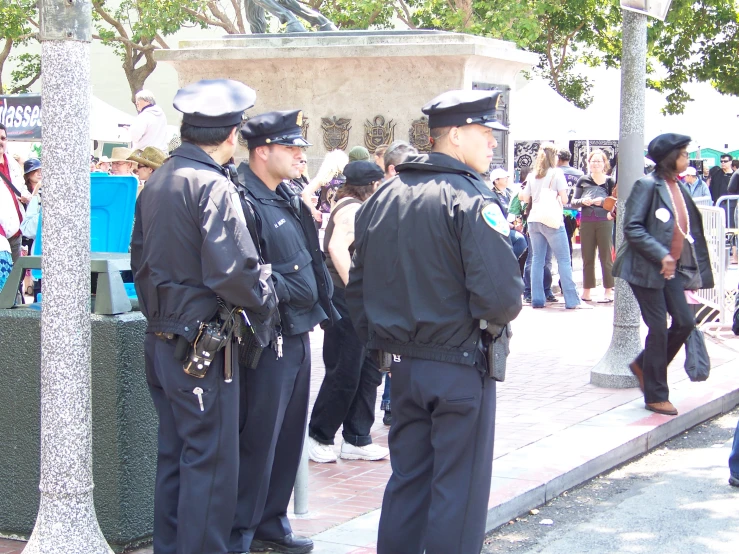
(112, 204)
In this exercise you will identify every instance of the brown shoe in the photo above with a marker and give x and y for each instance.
(665, 408)
(638, 373)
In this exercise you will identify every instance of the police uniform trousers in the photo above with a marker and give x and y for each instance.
(441, 453)
(198, 458)
(274, 412)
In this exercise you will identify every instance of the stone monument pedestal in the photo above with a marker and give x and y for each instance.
(355, 87)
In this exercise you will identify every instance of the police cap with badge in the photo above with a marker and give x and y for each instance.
(282, 127)
(456, 108)
(214, 103)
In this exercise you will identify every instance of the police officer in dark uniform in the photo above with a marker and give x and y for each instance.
(432, 265)
(276, 392)
(190, 247)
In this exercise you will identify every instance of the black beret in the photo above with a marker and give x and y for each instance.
(362, 173)
(664, 144)
(214, 103)
(464, 107)
(275, 128)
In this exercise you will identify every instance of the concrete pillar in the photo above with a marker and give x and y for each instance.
(66, 520)
(613, 370)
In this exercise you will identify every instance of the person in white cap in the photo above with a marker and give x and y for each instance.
(697, 187)
(499, 180)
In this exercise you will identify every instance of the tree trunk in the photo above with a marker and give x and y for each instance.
(4, 53)
(465, 6)
(137, 76)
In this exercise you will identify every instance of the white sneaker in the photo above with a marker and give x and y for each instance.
(320, 453)
(370, 452)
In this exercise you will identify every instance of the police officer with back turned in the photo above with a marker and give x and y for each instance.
(432, 265)
(193, 261)
(276, 391)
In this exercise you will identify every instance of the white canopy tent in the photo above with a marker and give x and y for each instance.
(106, 121)
(540, 113)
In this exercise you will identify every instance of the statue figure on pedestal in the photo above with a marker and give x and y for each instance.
(285, 11)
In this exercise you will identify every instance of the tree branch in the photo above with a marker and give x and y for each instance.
(161, 41)
(239, 16)
(128, 43)
(19, 88)
(227, 23)
(204, 18)
(5, 52)
(118, 26)
(552, 71)
(405, 17)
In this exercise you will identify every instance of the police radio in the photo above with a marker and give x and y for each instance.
(211, 338)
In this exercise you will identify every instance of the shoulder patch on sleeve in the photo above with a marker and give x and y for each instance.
(493, 216)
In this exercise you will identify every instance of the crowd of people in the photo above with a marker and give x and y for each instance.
(425, 261)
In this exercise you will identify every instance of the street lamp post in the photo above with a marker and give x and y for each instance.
(66, 520)
(613, 370)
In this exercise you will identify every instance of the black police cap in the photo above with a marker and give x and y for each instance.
(664, 144)
(275, 128)
(456, 108)
(362, 173)
(214, 103)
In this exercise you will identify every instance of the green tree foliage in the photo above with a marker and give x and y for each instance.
(699, 41)
(135, 28)
(17, 28)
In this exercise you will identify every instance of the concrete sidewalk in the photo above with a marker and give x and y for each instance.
(553, 429)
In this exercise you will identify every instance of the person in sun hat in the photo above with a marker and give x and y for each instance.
(120, 164)
(149, 160)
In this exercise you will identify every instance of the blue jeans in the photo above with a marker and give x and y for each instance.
(541, 237)
(547, 283)
(518, 242)
(734, 457)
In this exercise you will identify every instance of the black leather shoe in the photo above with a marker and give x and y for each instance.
(552, 298)
(292, 544)
(387, 419)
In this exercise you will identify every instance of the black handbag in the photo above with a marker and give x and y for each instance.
(697, 361)
(687, 267)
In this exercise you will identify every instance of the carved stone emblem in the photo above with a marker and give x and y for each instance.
(335, 132)
(377, 133)
(304, 126)
(419, 134)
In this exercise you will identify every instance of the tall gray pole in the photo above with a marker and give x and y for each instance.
(613, 370)
(66, 520)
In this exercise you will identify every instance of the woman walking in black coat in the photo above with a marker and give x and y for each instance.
(661, 224)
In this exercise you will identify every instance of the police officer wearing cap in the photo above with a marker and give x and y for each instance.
(275, 393)
(433, 264)
(190, 252)
(349, 391)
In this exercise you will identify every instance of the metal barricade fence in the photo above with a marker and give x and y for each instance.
(719, 299)
(729, 205)
(703, 201)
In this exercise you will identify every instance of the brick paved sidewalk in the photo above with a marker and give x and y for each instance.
(546, 392)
